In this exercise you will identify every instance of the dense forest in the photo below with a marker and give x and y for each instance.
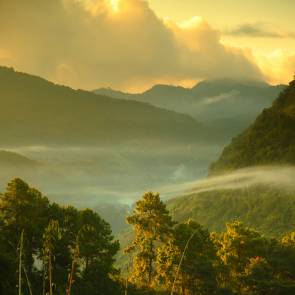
(269, 209)
(50, 249)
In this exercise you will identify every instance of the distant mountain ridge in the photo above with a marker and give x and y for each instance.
(36, 111)
(226, 106)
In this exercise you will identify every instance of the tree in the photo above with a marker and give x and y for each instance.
(257, 277)
(188, 259)
(68, 219)
(23, 208)
(53, 235)
(7, 266)
(153, 225)
(97, 249)
(50, 237)
(237, 246)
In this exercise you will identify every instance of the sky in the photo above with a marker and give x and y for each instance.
(131, 45)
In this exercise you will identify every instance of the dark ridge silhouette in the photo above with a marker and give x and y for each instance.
(35, 111)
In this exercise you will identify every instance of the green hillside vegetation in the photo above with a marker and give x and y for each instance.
(269, 140)
(270, 210)
(184, 258)
(46, 248)
(35, 111)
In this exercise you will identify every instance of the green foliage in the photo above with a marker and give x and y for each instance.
(269, 140)
(269, 210)
(70, 251)
(153, 225)
(190, 260)
(52, 235)
(256, 265)
(195, 274)
(24, 208)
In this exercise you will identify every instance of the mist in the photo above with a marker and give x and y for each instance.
(281, 177)
(113, 174)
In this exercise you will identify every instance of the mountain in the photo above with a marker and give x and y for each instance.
(36, 111)
(267, 205)
(226, 106)
(14, 160)
(269, 140)
(93, 149)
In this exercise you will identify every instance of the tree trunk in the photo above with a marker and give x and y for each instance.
(50, 275)
(150, 273)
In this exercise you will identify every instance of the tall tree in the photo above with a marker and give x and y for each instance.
(186, 263)
(97, 249)
(23, 208)
(153, 225)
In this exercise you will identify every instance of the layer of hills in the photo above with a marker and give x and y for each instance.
(227, 106)
(95, 149)
(269, 207)
(36, 111)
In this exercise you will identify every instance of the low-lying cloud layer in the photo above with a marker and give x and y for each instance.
(118, 43)
(273, 176)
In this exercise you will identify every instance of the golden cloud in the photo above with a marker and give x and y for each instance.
(122, 44)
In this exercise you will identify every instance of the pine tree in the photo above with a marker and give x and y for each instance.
(153, 225)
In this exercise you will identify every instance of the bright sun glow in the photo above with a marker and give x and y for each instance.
(115, 5)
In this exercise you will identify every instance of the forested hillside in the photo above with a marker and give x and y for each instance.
(269, 207)
(269, 140)
(270, 210)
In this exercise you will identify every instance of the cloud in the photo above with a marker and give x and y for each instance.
(122, 44)
(281, 177)
(258, 30)
(278, 65)
(220, 98)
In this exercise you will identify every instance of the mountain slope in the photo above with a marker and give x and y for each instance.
(225, 106)
(269, 210)
(269, 140)
(36, 111)
(269, 207)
